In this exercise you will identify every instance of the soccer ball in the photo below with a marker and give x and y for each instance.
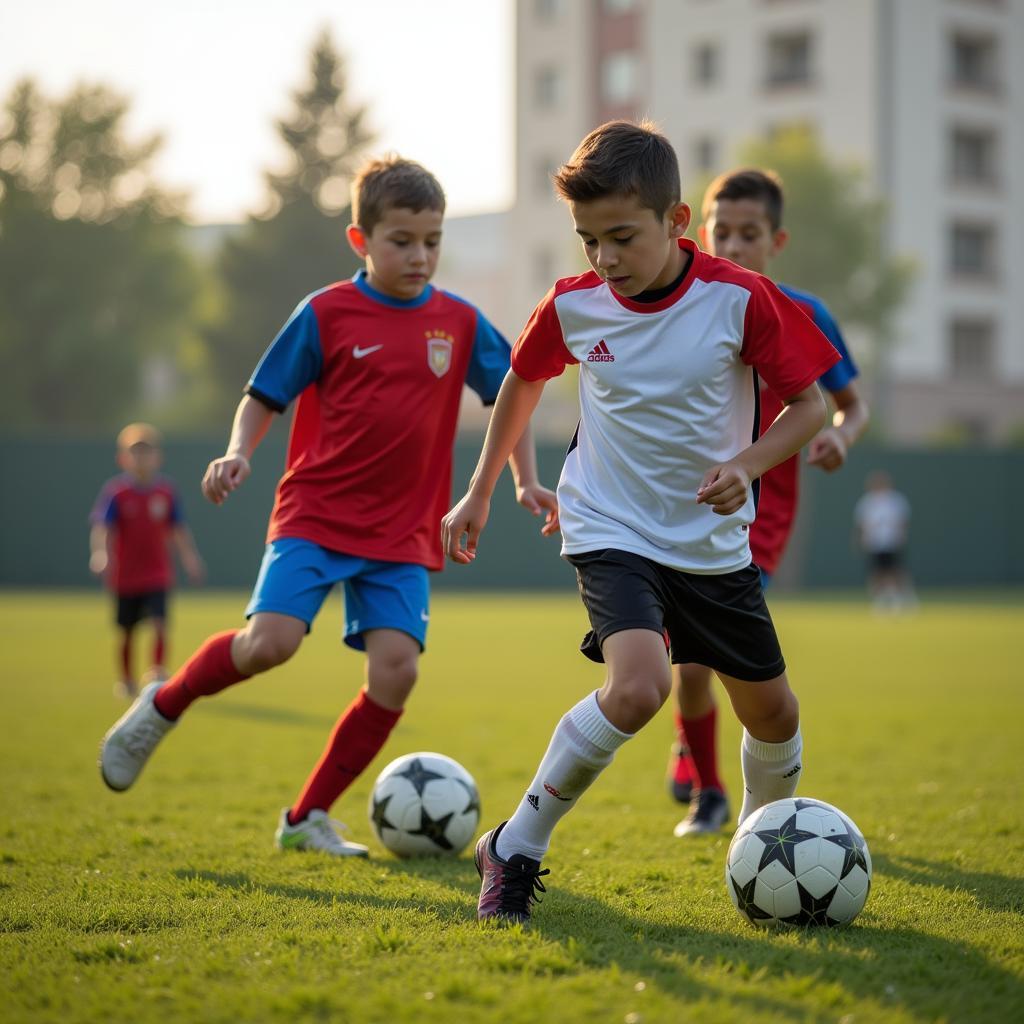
(424, 804)
(798, 861)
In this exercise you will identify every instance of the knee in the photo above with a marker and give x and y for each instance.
(393, 675)
(779, 717)
(631, 701)
(263, 651)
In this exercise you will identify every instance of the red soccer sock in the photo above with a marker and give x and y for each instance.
(357, 737)
(208, 671)
(703, 736)
(683, 769)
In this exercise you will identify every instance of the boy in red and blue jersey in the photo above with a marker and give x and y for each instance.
(135, 520)
(742, 221)
(377, 365)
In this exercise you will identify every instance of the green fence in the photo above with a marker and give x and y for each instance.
(966, 509)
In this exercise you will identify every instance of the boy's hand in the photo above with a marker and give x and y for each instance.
(467, 519)
(98, 563)
(724, 488)
(537, 499)
(827, 450)
(223, 476)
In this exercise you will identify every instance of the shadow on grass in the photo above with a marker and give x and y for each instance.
(898, 968)
(258, 713)
(458, 874)
(995, 892)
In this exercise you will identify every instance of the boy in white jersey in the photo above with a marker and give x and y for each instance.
(657, 492)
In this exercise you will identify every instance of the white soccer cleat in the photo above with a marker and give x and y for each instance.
(316, 832)
(131, 739)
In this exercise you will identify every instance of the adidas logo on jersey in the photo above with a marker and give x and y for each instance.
(600, 354)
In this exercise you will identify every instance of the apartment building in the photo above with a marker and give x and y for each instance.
(927, 96)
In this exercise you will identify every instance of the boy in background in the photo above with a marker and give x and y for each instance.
(742, 222)
(377, 365)
(881, 520)
(135, 520)
(655, 497)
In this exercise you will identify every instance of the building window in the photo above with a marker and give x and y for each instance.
(972, 156)
(705, 154)
(546, 88)
(619, 6)
(789, 56)
(547, 10)
(973, 62)
(972, 249)
(705, 64)
(619, 78)
(972, 349)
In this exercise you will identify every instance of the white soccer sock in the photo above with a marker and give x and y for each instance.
(770, 771)
(583, 745)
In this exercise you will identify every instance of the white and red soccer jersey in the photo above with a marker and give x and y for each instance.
(378, 382)
(141, 518)
(667, 390)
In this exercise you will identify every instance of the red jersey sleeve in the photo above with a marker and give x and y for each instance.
(782, 343)
(540, 352)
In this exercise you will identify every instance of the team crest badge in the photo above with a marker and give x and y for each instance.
(159, 507)
(439, 352)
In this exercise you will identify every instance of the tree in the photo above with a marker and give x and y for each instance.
(93, 276)
(297, 244)
(838, 248)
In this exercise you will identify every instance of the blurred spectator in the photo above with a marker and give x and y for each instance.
(882, 521)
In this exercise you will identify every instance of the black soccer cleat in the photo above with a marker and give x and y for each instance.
(508, 888)
(708, 813)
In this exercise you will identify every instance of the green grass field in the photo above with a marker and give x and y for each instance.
(169, 902)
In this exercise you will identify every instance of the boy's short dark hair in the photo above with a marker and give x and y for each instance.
(390, 183)
(626, 159)
(748, 183)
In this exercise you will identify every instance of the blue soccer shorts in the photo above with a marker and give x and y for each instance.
(297, 575)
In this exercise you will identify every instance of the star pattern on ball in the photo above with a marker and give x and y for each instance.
(418, 775)
(813, 910)
(474, 797)
(854, 850)
(800, 804)
(780, 843)
(433, 829)
(379, 813)
(745, 900)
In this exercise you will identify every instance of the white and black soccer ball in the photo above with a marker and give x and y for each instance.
(424, 804)
(799, 862)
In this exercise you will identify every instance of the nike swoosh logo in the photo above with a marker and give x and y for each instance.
(360, 352)
(424, 617)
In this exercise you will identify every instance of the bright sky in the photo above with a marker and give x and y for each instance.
(213, 75)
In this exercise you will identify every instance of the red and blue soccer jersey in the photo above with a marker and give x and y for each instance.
(378, 382)
(141, 519)
(776, 507)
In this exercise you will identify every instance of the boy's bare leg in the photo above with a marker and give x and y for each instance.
(772, 748)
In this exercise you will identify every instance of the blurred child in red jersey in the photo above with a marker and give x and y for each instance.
(136, 518)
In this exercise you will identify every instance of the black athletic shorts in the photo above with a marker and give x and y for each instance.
(884, 560)
(719, 621)
(133, 608)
